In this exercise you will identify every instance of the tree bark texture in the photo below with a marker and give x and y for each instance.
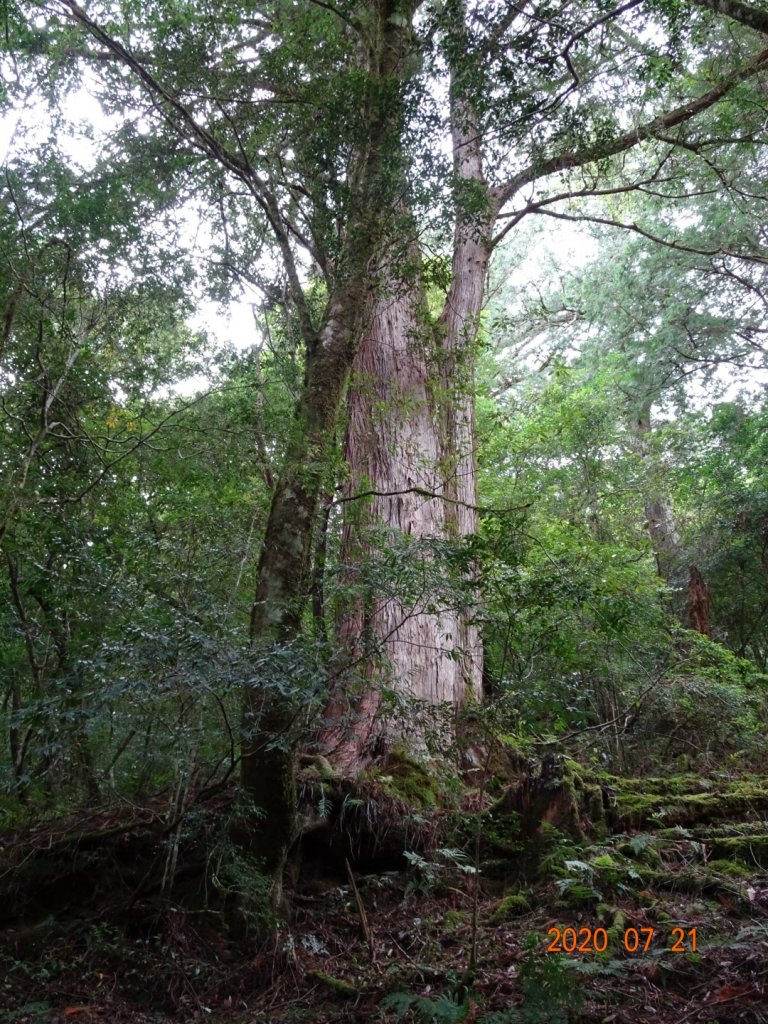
(659, 518)
(267, 749)
(457, 336)
(410, 435)
(698, 602)
(392, 449)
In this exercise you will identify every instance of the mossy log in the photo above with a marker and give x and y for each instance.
(643, 803)
(340, 987)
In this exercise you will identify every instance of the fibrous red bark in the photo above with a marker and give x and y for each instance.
(411, 444)
(393, 454)
(698, 602)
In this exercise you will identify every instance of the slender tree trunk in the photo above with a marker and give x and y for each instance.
(458, 327)
(659, 519)
(267, 751)
(698, 602)
(665, 539)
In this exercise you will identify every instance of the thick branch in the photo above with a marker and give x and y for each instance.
(579, 157)
(735, 9)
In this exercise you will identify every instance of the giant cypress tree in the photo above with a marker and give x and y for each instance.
(311, 131)
(535, 111)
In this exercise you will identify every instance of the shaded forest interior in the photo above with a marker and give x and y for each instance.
(384, 516)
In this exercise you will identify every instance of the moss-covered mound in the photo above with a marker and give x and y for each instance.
(686, 801)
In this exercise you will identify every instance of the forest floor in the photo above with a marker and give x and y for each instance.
(668, 914)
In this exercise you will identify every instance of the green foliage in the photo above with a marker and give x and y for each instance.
(711, 701)
(580, 629)
(551, 991)
(35, 1013)
(443, 1009)
(429, 876)
(132, 519)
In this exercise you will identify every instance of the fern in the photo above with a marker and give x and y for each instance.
(399, 1002)
(596, 967)
(638, 844)
(443, 1009)
(324, 805)
(580, 867)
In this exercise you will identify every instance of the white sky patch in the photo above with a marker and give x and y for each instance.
(565, 247)
(8, 125)
(233, 326)
(88, 129)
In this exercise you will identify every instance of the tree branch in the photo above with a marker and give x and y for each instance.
(677, 246)
(738, 11)
(425, 493)
(173, 111)
(353, 23)
(628, 140)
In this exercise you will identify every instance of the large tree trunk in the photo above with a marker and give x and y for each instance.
(412, 444)
(283, 575)
(393, 452)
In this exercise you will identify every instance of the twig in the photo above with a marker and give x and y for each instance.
(367, 934)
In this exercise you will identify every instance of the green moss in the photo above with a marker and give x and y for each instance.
(604, 861)
(733, 800)
(619, 920)
(342, 988)
(408, 779)
(664, 786)
(635, 810)
(749, 849)
(730, 869)
(744, 841)
(513, 905)
(700, 881)
(320, 767)
(595, 809)
(603, 912)
(617, 928)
